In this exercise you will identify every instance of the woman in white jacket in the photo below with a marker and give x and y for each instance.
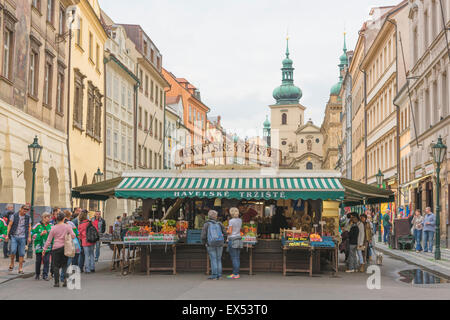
(361, 248)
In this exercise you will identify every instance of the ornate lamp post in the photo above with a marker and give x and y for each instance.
(380, 179)
(439, 151)
(98, 178)
(34, 152)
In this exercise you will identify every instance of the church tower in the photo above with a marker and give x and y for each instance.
(287, 114)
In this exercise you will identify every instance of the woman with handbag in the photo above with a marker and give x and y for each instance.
(417, 228)
(58, 235)
(235, 242)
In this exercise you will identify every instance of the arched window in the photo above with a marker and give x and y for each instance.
(309, 166)
(284, 119)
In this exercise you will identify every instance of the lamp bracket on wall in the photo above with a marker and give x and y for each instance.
(19, 173)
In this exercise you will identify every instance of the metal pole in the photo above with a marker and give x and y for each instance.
(379, 220)
(437, 253)
(30, 245)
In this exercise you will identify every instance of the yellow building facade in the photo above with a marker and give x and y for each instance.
(87, 117)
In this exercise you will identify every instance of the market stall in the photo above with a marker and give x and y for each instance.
(174, 204)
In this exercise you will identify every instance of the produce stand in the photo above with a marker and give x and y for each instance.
(310, 202)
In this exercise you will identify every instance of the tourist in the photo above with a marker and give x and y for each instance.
(213, 236)
(73, 260)
(117, 229)
(40, 234)
(279, 221)
(100, 225)
(81, 259)
(417, 223)
(19, 231)
(247, 213)
(6, 217)
(58, 236)
(429, 228)
(361, 242)
(235, 242)
(353, 243)
(75, 215)
(387, 226)
(3, 231)
(367, 238)
(199, 221)
(55, 212)
(88, 247)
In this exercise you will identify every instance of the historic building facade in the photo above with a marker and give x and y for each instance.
(120, 100)
(176, 131)
(87, 120)
(332, 127)
(33, 102)
(429, 90)
(195, 111)
(151, 100)
(381, 65)
(300, 144)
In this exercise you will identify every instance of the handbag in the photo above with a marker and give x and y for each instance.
(69, 247)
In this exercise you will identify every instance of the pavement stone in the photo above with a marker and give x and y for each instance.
(6, 275)
(422, 259)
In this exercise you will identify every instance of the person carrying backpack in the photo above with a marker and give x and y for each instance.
(213, 237)
(89, 236)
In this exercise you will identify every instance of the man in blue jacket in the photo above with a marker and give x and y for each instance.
(429, 228)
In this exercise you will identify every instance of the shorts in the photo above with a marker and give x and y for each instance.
(18, 244)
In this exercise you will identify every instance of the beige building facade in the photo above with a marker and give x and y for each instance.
(33, 103)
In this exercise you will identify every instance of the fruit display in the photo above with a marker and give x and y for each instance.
(182, 227)
(249, 232)
(139, 229)
(315, 237)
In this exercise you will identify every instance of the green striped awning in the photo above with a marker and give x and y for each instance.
(155, 187)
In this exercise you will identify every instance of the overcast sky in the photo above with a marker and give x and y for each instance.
(232, 50)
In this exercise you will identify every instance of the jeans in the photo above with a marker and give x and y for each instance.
(387, 231)
(215, 256)
(235, 255)
(97, 251)
(5, 249)
(89, 261)
(81, 260)
(39, 258)
(18, 245)
(418, 238)
(360, 254)
(428, 237)
(352, 259)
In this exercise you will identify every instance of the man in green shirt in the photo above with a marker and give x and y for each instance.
(40, 234)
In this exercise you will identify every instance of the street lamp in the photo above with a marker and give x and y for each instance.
(439, 150)
(98, 177)
(34, 152)
(380, 179)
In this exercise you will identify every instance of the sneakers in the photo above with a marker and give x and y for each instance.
(350, 271)
(233, 276)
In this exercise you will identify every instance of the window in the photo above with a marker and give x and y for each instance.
(309, 166)
(97, 57)
(91, 111)
(151, 90)
(145, 158)
(190, 113)
(284, 119)
(152, 56)
(8, 41)
(160, 131)
(123, 148)
(140, 118)
(141, 79)
(151, 125)
(60, 93)
(108, 142)
(80, 33)
(48, 82)
(145, 48)
(158, 63)
(150, 159)
(116, 145)
(129, 151)
(78, 99)
(139, 155)
(98, 114)
(156, 128)
(145, 121)
(36, 4)
(161, 99)
(50, 7)
(91, 48)
(62, 20)
(32, 74)
(156, 100)
(146, 85)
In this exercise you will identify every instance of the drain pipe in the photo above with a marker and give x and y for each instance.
(68, 108)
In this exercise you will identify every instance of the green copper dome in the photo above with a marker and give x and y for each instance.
(287, 93)
(344, 58)
(336, 89)
(267, 123)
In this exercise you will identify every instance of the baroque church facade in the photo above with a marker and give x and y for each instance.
(300, 142)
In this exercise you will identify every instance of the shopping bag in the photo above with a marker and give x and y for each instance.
(69, 247)
(77, 246)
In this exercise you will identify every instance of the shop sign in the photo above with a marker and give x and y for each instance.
(229, 194)
(253, 152)
(418, 173)
(429, 169)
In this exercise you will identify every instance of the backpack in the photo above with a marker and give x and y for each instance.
(91, 233)
(215, 235)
